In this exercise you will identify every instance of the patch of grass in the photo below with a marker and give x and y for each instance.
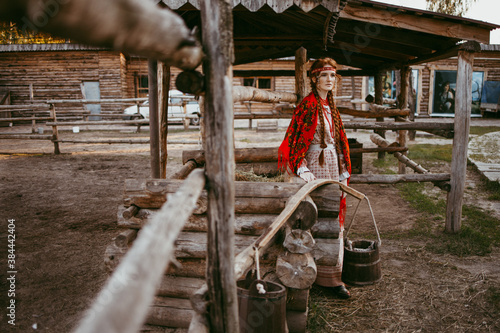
(421, 153)
(429, 152)
(492, 187)
(414, 194)
(479, 232)
(244, 140)
(386, 164)
(480, 130)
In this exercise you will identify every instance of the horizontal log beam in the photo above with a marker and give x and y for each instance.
(101, 122)
(263, 115)
(25, 137)
(25, 118)
(374, 114)
(24, 106)
(377, 149)
(241, 155)
(402, 20)
(170, 312)
(404, 178)
(398, 126)
(241, 93)
(96, 101)
(449, 134)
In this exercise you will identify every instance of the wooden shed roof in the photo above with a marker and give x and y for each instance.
(359, 33)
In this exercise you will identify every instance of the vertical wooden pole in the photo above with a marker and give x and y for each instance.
(301, 73)
(163, 89)
(154, 137)
(412, 104)
(203, 139)
(55, 133)
(217, 25)
(463, 105)
(33, 122)
(379, 99)
(403, 103)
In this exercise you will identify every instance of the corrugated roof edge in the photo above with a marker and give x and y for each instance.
(49, 47)
(490, 47)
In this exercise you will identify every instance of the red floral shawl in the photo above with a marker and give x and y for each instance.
(300, 133)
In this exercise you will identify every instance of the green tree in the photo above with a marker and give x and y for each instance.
(452, 7)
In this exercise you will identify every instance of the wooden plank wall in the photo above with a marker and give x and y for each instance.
(110, 79)
(59, 75)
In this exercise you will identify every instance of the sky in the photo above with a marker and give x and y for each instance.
(482, 10)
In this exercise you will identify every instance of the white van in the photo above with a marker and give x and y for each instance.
(180, 106)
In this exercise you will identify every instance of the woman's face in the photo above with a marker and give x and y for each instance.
(325, 81)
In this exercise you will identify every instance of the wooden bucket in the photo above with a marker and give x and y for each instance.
(262, 313)
(361, 264)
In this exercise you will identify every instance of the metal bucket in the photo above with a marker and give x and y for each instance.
(262, 313)
(361, 263)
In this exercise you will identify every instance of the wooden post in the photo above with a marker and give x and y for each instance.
(301, 73)
(379, 99)
(403, 102)
(412, 104)
(164, 88)
(201, 102)
(153, 119)
(55, 134)
(463, 104)
(217, 25)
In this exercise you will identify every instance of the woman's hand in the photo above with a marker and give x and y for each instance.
(307, 176)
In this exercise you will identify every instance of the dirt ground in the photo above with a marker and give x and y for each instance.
(65, 206)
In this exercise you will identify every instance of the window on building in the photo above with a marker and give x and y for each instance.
(258, 82)
(414, 88)
(142, 85)
(388, 85)
(445, 84)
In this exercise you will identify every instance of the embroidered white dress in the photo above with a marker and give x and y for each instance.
(328, 276)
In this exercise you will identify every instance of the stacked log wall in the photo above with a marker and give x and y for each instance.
(110, 80)
(171, 308)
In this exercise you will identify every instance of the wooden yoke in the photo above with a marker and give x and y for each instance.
(244, 260)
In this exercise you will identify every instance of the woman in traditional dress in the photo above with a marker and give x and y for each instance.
(316, 147)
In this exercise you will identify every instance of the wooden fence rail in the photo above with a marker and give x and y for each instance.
(122, 305)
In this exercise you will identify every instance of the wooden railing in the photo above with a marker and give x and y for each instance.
(44, 113)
